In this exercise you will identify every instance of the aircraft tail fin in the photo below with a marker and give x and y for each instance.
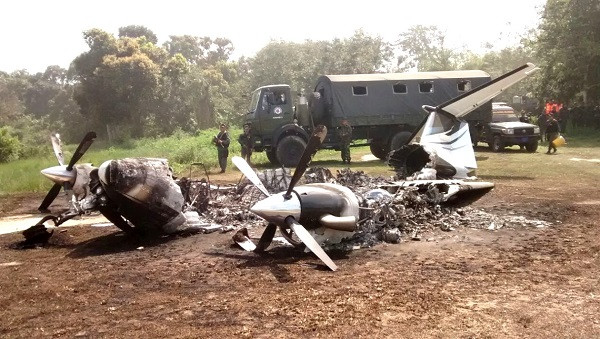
(469, 101)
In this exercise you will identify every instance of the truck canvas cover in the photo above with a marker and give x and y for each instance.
(379, 99)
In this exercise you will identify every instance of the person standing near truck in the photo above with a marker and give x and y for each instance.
(245, 140)
(221, 140)
(345, 135)
(543, 122)
(552, 132)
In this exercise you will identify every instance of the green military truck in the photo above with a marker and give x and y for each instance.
(383, 109)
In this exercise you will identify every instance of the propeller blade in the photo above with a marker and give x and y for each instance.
(266, 238)
(243, 166)
(50, 197)
(310, 242)
(311, 148)
(80, 151)
(242, 238)
(57, 146)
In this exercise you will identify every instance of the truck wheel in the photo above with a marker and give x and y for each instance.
(399, 139)
(531, 147)
(289, 150)
(497, 145)
(272, 156)
(378, 150)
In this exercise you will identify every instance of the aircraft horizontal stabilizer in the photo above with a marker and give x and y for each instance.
(467, 102)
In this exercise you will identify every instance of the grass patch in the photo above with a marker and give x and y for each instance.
(182, 149)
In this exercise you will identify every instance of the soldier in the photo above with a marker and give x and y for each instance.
(345, 135)
(245, 140)
(221, 140)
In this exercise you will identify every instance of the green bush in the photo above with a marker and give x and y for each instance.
(9, 145)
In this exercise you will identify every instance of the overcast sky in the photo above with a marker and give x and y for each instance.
(38, 33)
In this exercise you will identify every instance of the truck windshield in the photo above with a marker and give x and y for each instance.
(503, 117)
(254, 101)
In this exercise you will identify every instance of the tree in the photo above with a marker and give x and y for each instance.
(188, 46)
(136, 31)
(202, 51)
(10, 105)
(117, 81)
(55, 74)
(300, 64)
(423, 47)
(568, 47)
(499, 62)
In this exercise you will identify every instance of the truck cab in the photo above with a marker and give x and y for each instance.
(273, 124)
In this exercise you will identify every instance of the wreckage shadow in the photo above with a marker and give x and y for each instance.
(116, 242)
(277, 258)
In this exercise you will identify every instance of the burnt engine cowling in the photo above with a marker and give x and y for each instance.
(143, 191)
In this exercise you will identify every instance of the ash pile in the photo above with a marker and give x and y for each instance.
(414, 210)
(404, 215)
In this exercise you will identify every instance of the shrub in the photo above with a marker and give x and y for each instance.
(9, 145)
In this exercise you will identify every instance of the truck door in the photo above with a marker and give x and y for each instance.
(274, 109)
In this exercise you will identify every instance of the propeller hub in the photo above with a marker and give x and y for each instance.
(60, 174)
(276, 208)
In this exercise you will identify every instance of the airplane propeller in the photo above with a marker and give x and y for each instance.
(311, 148)
(290, 222)
(243, 166)
(310, 242)
(79, 152)
(81, 149)
(57, 147)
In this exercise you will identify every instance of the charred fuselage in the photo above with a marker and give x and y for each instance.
(143, 191)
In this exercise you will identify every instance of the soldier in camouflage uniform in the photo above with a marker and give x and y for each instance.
(245, 140)
(221, 141)
(345, 135)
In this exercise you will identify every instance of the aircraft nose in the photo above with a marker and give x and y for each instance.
(276, 208)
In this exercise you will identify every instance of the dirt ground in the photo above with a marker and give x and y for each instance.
(512, 282)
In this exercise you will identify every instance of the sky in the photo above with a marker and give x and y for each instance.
(37, 33)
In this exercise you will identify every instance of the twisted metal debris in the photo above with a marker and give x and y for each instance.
(392, 218)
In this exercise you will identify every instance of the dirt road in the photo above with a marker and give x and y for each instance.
(525, 282)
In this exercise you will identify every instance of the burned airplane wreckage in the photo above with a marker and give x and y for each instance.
(135, 194)
(350, 211)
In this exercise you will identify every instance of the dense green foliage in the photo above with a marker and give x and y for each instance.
(568, 47)
(132, 86)
(9, 145)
